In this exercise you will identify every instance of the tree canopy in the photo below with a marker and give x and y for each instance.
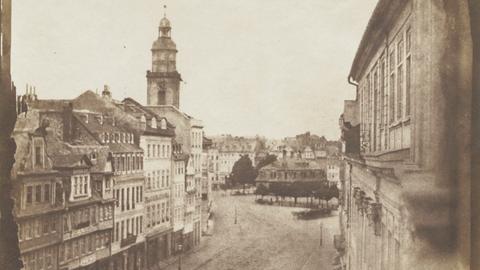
(243, 172)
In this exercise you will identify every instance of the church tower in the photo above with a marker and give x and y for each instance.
(163, 81)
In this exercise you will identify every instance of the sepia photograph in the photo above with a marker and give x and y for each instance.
(239, 135)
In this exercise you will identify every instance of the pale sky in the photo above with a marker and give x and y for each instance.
(271, 67)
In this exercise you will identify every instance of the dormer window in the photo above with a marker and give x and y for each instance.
(154, 122)
(38, 152)
(143, 119)
(163, 124)
(93, 156)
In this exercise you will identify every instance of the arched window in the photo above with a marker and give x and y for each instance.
(143, 119)
(161, 97)
(154, 122)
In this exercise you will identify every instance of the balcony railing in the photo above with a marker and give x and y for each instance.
(131, 239)
(82, 225)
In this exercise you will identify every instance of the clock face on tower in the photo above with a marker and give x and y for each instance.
(162, 85)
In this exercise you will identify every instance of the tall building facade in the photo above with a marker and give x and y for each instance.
(163, 81)
(163, 98)
(155, 135)
(406, 190)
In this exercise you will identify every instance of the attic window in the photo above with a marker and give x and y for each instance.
(154, 122)
(163, 124)
(38, 152)
(143, 119)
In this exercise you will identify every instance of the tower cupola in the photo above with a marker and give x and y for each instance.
(163, 80)
(165, 27)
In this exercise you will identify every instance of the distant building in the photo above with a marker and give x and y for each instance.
(230, 149)
(290, 171)
(208, 174)
(305, 146)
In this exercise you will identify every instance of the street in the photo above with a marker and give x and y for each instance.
(265, 237)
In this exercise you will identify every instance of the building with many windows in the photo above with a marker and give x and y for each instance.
(290, 171)
(78, 189)
(230, 150)
(156, 136)
(405, 187)
(38, 189)
(179, 161)
(163, 92)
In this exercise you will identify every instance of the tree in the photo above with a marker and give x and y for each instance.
(243, 172)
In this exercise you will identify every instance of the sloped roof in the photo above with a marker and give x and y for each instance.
(102, 152)
(293, 164)
(124, 147)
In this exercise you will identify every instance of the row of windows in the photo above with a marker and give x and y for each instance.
(131, 226)
(83, 246)
(158, 214)
(158, 150)
(179, 168)
(80, 185)
(197, 139)
(385, 93)
(128, 162)
(39, 259)
(178, 214)
(196, 162)
(178, 191)
(117, 138)
(127, 198)
(158, 179)
(294, 175)
(35, 228)
(87, 216)
(38, 194)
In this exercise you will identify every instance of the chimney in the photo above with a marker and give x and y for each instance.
(68, 122)
(106, 92)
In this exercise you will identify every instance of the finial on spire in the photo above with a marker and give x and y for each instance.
(164, 11)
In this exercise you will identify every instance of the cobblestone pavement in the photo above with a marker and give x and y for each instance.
(265, 237)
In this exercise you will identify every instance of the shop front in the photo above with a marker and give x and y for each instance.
(158, 248)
